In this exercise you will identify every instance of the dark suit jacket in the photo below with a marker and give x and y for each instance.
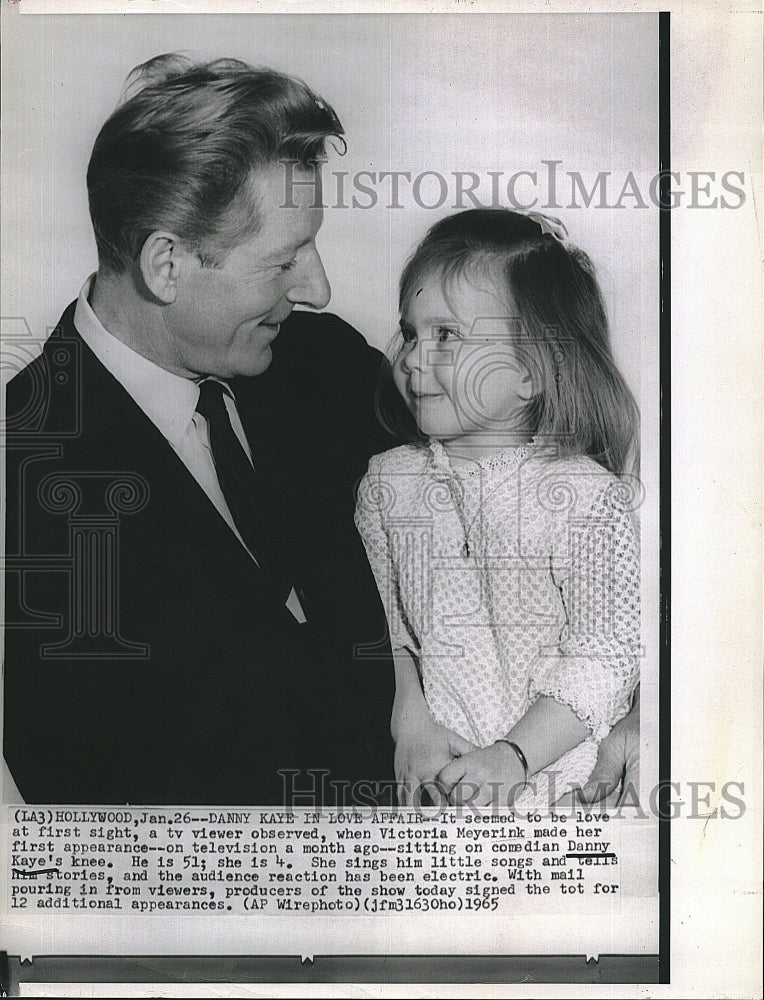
(146, 659)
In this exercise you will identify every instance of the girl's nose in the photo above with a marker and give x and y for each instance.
(411, 356)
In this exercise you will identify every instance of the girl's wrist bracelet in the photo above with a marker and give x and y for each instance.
(520, 756)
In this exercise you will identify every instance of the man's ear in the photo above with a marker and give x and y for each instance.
(161, 261)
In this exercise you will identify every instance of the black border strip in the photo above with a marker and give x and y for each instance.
(664, 710)
(507, 969)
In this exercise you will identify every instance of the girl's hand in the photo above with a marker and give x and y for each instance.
(483, 777)
(423, 748)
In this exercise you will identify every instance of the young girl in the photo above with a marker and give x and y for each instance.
(502, 538)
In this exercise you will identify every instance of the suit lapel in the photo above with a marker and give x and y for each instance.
(117, 435)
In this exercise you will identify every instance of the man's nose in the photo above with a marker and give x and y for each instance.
(311, 287)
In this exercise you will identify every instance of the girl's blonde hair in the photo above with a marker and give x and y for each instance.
(581, 400)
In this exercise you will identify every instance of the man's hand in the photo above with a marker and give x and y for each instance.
(422, 750)
(615, 778)
(483, 776)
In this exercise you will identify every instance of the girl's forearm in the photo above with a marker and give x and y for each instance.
(409, 698)
(547, 731)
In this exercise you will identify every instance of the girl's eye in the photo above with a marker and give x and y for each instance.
(408, 334)
(444, 334)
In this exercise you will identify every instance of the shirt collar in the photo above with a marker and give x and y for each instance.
(168, 400)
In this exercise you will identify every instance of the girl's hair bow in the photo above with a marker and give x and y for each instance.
(549, 225)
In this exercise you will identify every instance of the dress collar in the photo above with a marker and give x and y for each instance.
(502, 459)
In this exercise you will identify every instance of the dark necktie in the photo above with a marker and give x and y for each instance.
(242, 487)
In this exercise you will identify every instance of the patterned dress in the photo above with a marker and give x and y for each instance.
(509, 578)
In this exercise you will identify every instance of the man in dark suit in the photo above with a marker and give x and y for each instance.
(190, 617)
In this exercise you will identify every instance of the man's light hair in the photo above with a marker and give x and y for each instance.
(182, 150)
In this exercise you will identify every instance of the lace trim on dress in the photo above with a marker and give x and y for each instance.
(500, 461)
(560, 694)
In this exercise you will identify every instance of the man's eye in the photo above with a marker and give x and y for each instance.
(444, 334)
(289, 265)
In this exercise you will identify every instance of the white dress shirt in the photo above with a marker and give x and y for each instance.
(169, 401)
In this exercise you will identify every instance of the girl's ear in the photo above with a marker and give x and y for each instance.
(161, 261)
(531, 380)
(529, 388)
